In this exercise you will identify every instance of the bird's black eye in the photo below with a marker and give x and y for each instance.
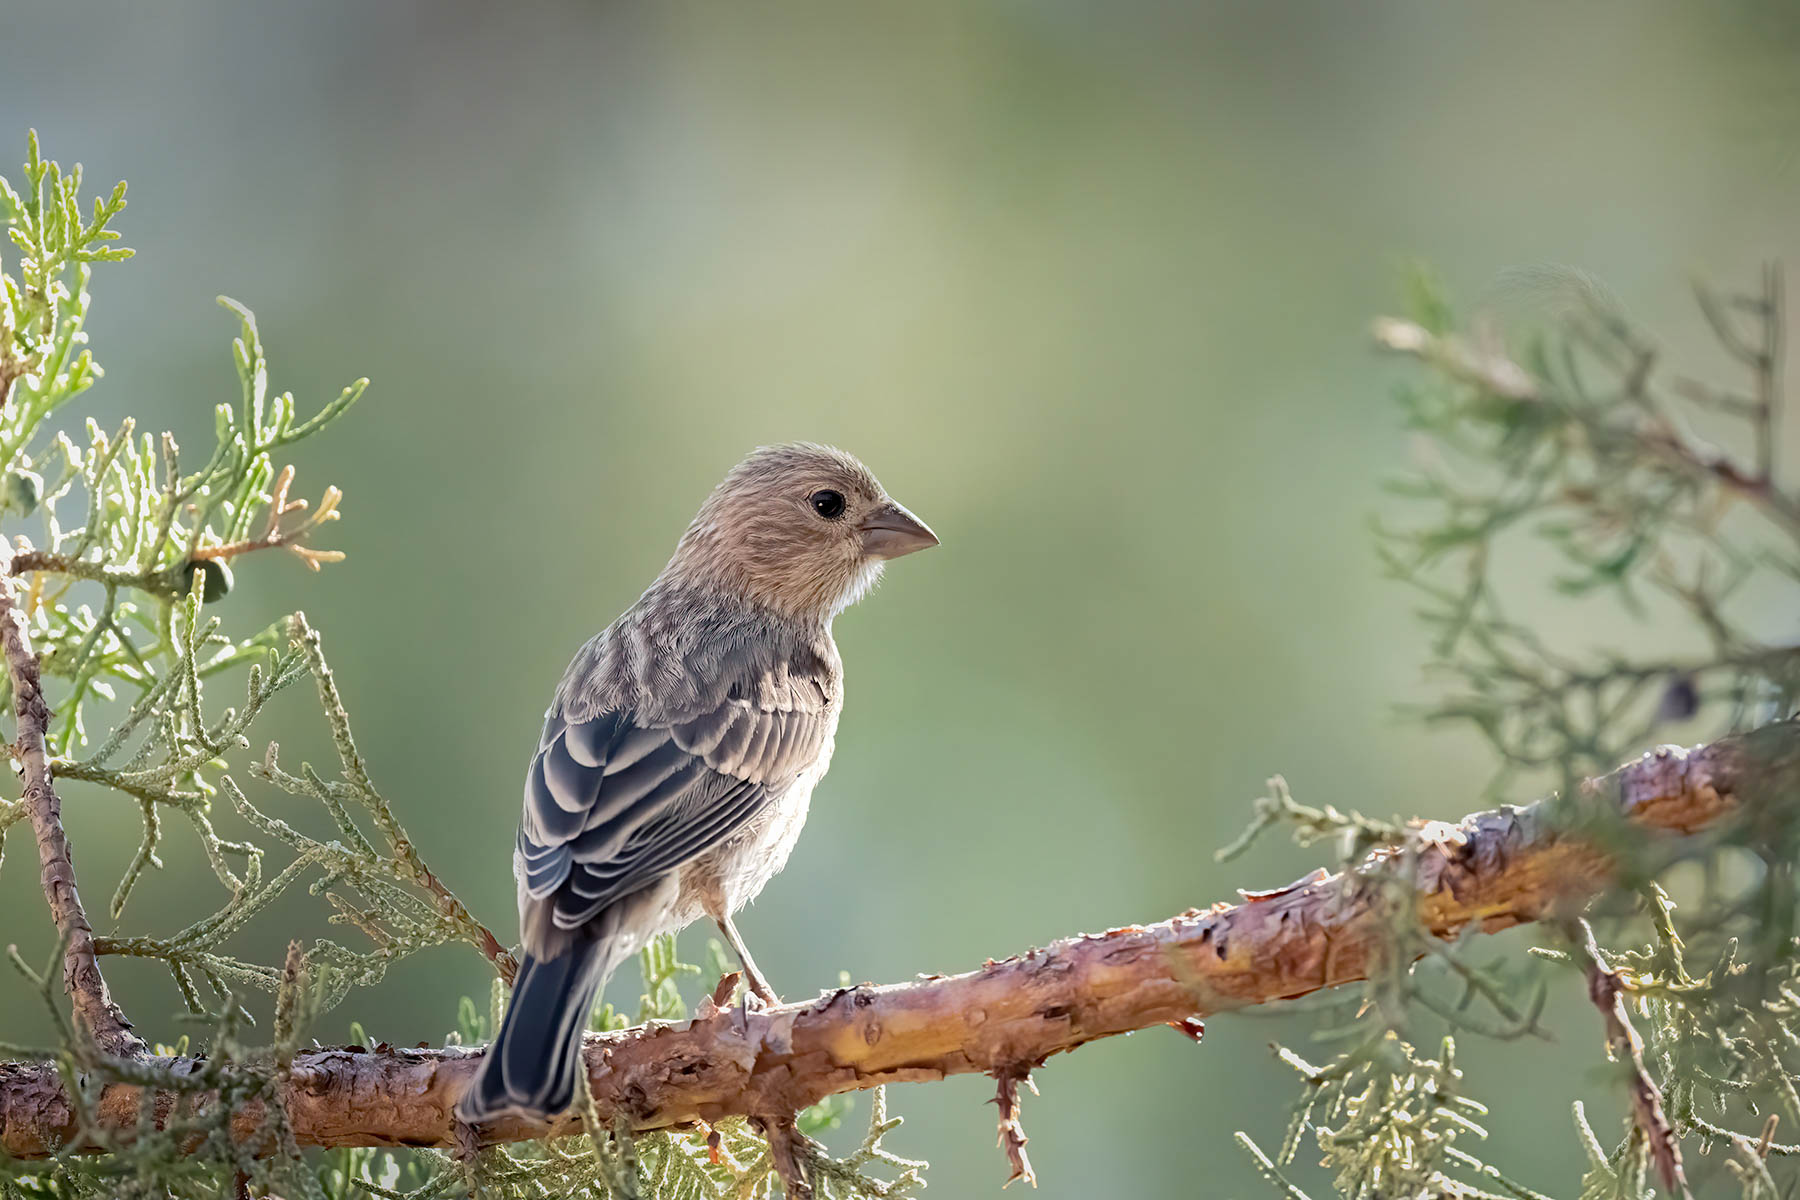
(827, 503)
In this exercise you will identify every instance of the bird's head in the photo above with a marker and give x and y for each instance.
(802, 529)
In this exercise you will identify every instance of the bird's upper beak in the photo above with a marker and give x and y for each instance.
(890, 532)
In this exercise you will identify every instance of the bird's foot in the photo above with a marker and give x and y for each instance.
(758, 987)
(750, 1001)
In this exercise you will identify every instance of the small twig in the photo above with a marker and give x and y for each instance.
(1768, 371)
(1012, 1133)
(408, 863)
(104, 1021)
(1754, 487)
(1494, 372)
(504, 963)
(1762, 356)
(1768, 1135)
(1267, 1169)
(789, 1151)
(11, 370)
(275, 537)
(725, 989)
(1607, 992)
(154, 583)
(1490, 370)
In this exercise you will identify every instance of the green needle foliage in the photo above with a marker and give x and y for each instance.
(1584, 446)
(124, 554)
(1659, 499)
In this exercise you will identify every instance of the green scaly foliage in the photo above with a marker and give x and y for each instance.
(123, 555)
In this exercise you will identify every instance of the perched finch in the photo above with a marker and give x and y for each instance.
(682, 748)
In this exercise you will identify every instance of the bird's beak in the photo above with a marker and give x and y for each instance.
(890, 532)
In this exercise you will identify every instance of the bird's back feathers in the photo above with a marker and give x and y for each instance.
(667, 738)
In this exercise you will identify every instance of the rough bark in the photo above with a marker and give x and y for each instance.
(1492, 870)
(102, 1020)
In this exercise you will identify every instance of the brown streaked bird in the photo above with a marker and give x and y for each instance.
(682, 748)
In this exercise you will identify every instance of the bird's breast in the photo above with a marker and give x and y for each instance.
(734, 873)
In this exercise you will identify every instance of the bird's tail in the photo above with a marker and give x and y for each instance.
(530, 1069)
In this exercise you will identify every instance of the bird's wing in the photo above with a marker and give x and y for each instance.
(613, 802)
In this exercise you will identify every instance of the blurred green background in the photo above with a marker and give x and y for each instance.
(1087, 284)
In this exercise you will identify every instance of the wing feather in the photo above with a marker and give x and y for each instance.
(569, 785)
(590, 743)
(728, 755)
(624, 788)
(615, 801)
(700, 736)
(655, 850)
(751, 763)
(546, 822)
(632, 746)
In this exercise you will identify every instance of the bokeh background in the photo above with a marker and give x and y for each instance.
(1088, 284)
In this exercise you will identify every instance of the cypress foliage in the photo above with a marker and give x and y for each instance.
(123, 556)
(1571, 435)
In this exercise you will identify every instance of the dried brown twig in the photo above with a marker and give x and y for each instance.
(275, 537)
(1012, 1133)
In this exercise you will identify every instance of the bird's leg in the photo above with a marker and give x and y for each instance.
(753, 978)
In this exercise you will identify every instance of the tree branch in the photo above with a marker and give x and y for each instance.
(103, 1020)
(161, 584)
(1608, 993)
(1492, 870)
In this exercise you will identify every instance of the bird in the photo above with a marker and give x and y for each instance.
(680, 751)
